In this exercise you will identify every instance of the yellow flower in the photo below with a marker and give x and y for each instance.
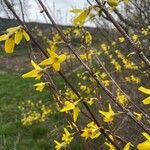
(146, 101)
(111, 147)
(104, 47)
(71, 106)
(40, 86)
(144, 90)
(106, 82)
(135, 37)
(9, 45)
(116, 65)
(76, 112)
(108, 116)
(103, 75)
(76, 10)
(70, 94)
(53, 47)
(87, 38)
(121, 39)
(77, 32)
(138, 115)
(91, 131)
(20, 33)
(113, 3)
(59, 145)
(121, 98)
(127, 147)
(36, 73)
(81, 18)
(67, 137)
(14, 36)
(68, 106)
(86, 56)
(133, 79)
(54, 60)
(147, 136)
(9, 42)
(113, 43)
(91, 101)
(83, 87)
(146, 144)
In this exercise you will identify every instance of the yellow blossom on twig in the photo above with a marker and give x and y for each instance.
(108, 116)
(146, 101)
(91, 131)
(54, 60)
(67, 137)
(146, 144)
(138, 115)
(36, 73)
(13, 36)
(59, 145)
(71, 106)
(40, 86)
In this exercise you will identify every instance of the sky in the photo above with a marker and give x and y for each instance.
(59, 9)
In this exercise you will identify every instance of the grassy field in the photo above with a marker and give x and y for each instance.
(13, 91)
(13, 135)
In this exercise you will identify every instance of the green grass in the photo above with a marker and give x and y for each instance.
(13, 91)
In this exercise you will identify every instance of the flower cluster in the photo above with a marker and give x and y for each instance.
(34, 112)
(13, 36)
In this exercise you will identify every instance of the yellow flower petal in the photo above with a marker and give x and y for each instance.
(56, 66)
(53, 54)
(121, 39)
(67, 106)
(138, 115)
(91, 131)
(127, 147)
(61, 58)
(80, 20)
(59, 146)
(31, 74)
(76, 111)
(146, 135)
(146, 101)
(9, 45)
(76, 10)
(26, 36)
(18, 36)
(3, 37)
(108, 116)
(12, 29)
(144, 145)
(113, 3)
(48, 61)
(144, 90)
(39, 75)
(111, 147)
(40, 86)
(35, 65)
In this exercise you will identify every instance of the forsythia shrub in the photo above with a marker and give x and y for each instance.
(93, 98)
